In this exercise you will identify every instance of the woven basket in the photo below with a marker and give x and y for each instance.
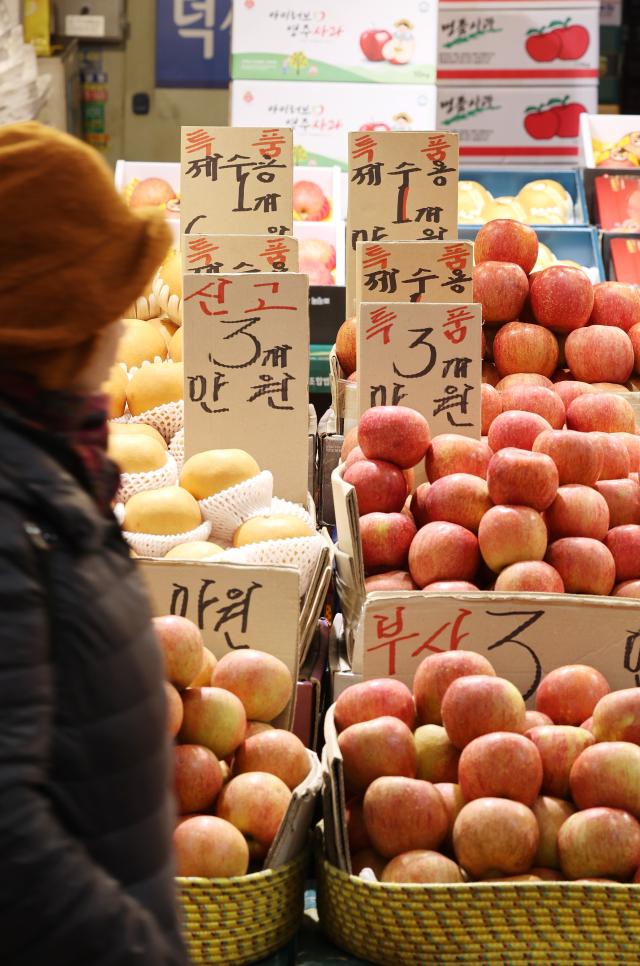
(488, 922)
(244, 919)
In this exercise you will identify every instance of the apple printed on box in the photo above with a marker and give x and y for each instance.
(333, 40)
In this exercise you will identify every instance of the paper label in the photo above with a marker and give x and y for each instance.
(243, 254)
(84, 25)
(414, 271)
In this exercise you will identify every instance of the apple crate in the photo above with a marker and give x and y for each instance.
(507, 183)
(580, 245)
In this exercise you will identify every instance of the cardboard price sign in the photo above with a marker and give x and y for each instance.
(523, 635)
(243, 254)
(402, 186)
(236, 181)
(400, 271)
(246, 369)
(425, 356)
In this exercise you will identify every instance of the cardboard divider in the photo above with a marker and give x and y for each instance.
(336, 837)
(294, 829)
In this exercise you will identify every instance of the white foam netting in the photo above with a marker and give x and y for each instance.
(176, 448)
(144, 308)
(168, 301)
(131, 483)
(299, 552)
(286, 507)
(167, 419)
(228, 509)
(153, 545)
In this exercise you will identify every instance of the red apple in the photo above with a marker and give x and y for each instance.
(394, 433)
(599, 842)
(530, 576)
(449, 453)
(608, 774)
(510, 534)
(181, 644)
(615, 456)
(561, 298)
(523, 378)
(524, 347)
(454, 802)
(317, 254)
(632, 444)
(262, 682)
(600, 353)
(490, 406)
(535, 399)
(507, 240)
(277, 752)
(477, 704)
(569, 694)
(518, 428)
(310, 202)
(616, 717)
(437, 757)
(355, 455)
(372, 42)
(495, 835)
(570, 389)
(175, 710)
(368, 859)
(518, 476)
(203, 677)
(349, 443)
(461, 498)
(490, 374)
(559, 746)
(346, 346)
(535, 719)
(197, 778)
(448, 587)
(615, 304)
(209, 847)
(390, 580)
(379, 486)
(634, 335)
(376, 698)
(423, 866)
(357, 833)
(576, 456)
(601, 412)
(551, 814)
(402, 814)
(443, 551)
(151, 193)
(256, 728)
(434, 675)
(386, 539)
(372, 749)
(256, 803)
(501, 288)
(624, 544)
(585, 565)
(628, 588)
(215, 718)
(577, 511)
(500, 765)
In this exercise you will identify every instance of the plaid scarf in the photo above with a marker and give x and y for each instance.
(73, 427)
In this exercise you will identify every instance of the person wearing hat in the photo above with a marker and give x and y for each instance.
(86, 811)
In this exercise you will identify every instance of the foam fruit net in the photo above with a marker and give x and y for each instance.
(131, 483)
(176, 448)
(152, 545)
(228, 509)
(299, 552)
(290, 509)
(167, 419)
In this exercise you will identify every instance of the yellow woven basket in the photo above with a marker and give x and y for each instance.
(244, 919)
(550, 922)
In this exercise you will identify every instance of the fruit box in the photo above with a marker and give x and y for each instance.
(601, 132)
(519, 123)
(335, 41)
(321, 251)
(321, 116)
(617, 201)
(621, 252)
(581, 245)
(129, 173)
(501, 182)
(502, 43)
(316, 207)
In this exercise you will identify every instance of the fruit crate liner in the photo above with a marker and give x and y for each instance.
(154, 545)
(131, 483)
(299, 552)
(170, 302)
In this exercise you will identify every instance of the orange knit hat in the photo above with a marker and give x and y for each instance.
(72, 255)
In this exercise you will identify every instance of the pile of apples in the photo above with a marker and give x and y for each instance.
(531, 507)
(234, 773)
(457, 781)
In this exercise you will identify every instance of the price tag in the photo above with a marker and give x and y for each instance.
(244, 254)
(414, 271)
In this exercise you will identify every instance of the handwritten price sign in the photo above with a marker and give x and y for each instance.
(414, 271)
(425, 356)
(402, 186)
(243, 254)
(246, 366)
(236, 181)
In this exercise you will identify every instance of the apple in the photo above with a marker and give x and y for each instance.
(634, 335)
(421, 865)
(453, 802)
(535, 399)
(628, 588)
(175, 710)
(181, 644)
(490, 374)
(203, 677)
(500, 765)
(632, 443)
(346, 345)
(318, 253)
(368, 859)
(510, 534)
(559, 746)
(356, 831)
(256, 804)
(477, 704)
(616, 717)
(519, 429)
(372, 749)
(608, 774)
(624, 544)
(561, 298)
(601, 412)
(585, 565)
(615, 456)
(518, 476)
(507, 240)
(551, 814)
(460, 499)
(310, 202)
(501, 288)
(355, 455)
(449, 453)
(256, 728)
(402, 814)
(443, 551)
(615, 304)
(394, 433)
(530, 576)
(210, 848)
(318, 273)
(379, 486)
(437, 757)
(535, 719)
(434, 675)
(577, 511)
(599, 842)
(349, 443)
(490, 406)
(390, 580)
(151, 193)
(600, 353)
(197, 778)
(277, 752)
(448, 587)
(523, 378)
(262, 682)
(524, 347)
(547, 875)
(372, 43)
(376, 698)
(495, 835)
(570, 693)
(215, 718)
(570, 389)
(576, 456)
(386, 539)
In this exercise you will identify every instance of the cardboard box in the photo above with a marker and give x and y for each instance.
(624, 262)
(501, 182)
(292, 836)
(617, 200)
(521, 40)
(329, 458)
(516, 124)
(335, 41)
(600, 133)
(310, 691)
(321, 116)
